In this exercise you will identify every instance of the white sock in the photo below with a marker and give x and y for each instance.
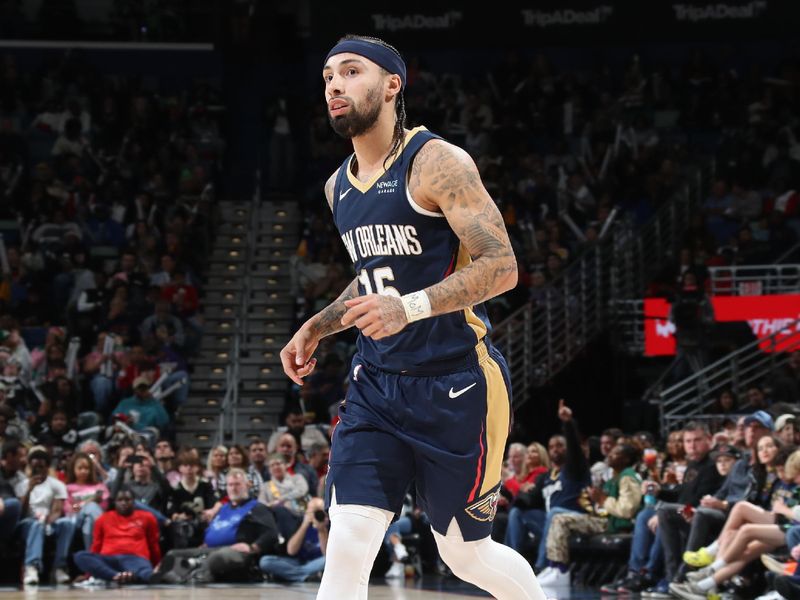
(713, 548)
(707, 584)
(718, 564)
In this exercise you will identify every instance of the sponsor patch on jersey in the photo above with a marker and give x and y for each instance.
(485, 508)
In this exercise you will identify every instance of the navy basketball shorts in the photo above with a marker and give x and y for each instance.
(446, 433)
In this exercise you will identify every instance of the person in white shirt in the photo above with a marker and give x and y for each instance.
(43, 511)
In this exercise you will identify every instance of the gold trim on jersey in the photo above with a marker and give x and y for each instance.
(473, 320)
(364, 186)
(498, 416)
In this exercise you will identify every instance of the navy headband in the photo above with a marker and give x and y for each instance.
(377, 53)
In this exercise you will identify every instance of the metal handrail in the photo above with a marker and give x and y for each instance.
(749, 280)
(575, 307)
(737, 370)
(791, 252)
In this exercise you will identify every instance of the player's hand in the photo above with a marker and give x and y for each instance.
(376, 315)
(564, 411)
(296, 355)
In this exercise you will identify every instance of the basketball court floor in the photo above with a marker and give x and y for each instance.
(429, 588)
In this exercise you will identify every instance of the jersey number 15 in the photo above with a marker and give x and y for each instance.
(380, 275)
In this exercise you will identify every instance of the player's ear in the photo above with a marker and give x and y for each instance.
(394, 85)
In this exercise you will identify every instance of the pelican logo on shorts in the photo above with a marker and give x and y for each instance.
(485, 508)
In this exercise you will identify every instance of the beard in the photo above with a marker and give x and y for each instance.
(357, 122)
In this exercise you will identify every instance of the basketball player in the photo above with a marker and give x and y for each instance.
(428, 397)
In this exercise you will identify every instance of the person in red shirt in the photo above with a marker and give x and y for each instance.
(125, 545)
(534, 463)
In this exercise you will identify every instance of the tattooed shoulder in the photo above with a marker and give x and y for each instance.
(444, 174)
(329, 185)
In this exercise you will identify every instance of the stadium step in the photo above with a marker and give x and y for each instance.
(247, 300)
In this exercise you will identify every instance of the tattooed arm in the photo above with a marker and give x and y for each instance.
(296, 355)
(445, 179)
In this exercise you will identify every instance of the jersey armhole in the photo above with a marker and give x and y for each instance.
(416, 207)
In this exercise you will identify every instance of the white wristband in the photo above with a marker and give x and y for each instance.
(417, 306)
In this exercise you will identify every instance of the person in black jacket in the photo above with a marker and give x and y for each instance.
(10, 507)
(677, 505)
(241, 532)
(557, 491)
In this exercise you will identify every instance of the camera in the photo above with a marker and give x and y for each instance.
(319, 516)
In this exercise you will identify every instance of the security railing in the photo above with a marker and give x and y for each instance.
(748, 365)
(755, 280)
(228, 421)
(566, 314)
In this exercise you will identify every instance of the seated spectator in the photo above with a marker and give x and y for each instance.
(125, 545)
(700, 479)
(305, 550)
(102, 369)
(43, 510)
(87, 495)
(12, 341)
(11, 470)
(145, 413)
(257, 457)
(534, 462)
(10, 505)
(188, 503)
(295, 423)
(242, 531)
(558, 491)
(237, 459)
(287, 446)
(786, 428)
(216, 468)
(162, 316)
(56, 434)
(743, 511)
(766, 532)
(646, 560)
(283, 488)
(614, 506)
(318, 457)
(165, 461)
(150, 489)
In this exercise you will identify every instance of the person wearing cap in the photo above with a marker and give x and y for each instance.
(144, 411)
(786, 428)
(714, 509)
(429, 246)
(43, 511)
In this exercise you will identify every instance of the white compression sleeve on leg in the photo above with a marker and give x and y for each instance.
(493, 567)
(353, 543)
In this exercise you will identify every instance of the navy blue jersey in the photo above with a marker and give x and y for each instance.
(398, 247)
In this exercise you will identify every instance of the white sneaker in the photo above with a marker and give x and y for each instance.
(90, 583)
(31, 576)
(62, 577)
(773, 595)
(400, 552)
(396, 571)
(545, 575)
(558, 579)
